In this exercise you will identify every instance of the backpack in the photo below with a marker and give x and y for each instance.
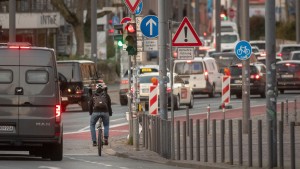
(100, 102)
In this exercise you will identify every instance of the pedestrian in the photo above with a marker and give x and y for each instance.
(100, 106)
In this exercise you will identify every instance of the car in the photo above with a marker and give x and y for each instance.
(182, 92)
(78, 78)
(202, 74)
(30, 105)
(257, 79)
(124, 81)
(295, 55)
(263, 59)
(286, 49)
(288, 75)
(228, 41)
(255, 51)
(261, 44)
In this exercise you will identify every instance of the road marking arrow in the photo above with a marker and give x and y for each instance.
(151, 22)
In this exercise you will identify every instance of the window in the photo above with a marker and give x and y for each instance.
(6, 76)
(185, 68)
(37, 77)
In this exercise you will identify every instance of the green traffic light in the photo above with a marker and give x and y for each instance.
(120, 43)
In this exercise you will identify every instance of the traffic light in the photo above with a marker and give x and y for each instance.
(130, 37)
(118, 34)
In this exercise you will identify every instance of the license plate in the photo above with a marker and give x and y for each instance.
(145, 90)
(7, 129)
(238, 81)
(287, 76)
(64, 98)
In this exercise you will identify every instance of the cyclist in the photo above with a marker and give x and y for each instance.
(96, 113)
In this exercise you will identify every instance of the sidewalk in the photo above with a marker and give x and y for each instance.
(119, 147)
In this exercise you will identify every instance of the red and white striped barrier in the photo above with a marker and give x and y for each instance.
(225, 90)
(153, 100)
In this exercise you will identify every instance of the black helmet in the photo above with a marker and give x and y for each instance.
(100, 87)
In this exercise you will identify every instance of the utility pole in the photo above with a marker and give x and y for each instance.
(271, 85)
(197, 17)
(246, 64)
(12, 20)
(298, 21)
(162, 43)
(94, 30)
(217, 31)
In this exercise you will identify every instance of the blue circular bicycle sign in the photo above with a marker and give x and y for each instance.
(243, 50)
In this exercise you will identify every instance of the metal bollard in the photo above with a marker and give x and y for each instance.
(178, 139)
(143, 128)
(292, 145)
(208, 118)
(158, 135)
(136, 134)
(191, 140)
(205, 139)
(240, 142)
(222, 128)
(270, 123)
(147, 132)
(282, 111)
(198, 140)
(184, 140)
(295, 108)
(250, 143)
(287, 112)
(187, 120)
(280, 135)
(259, 142)
(214, 141)
(230, 143)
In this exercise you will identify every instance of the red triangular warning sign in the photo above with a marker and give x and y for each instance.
(186, 35)
(132, 4)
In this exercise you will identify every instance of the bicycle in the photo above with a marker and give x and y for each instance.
(100, 136)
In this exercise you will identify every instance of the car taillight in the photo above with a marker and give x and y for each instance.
(256, 76)
(79, 91)
(57, 113)
(206, 75)
(124, 81)
(279, 54)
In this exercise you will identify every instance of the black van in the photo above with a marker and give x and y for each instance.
(77, 78)
(30, 110)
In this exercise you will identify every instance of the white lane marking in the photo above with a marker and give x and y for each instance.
(49, 167)
(92, 162)
(87, 129)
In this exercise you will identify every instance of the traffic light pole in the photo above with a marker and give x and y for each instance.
(271, 83)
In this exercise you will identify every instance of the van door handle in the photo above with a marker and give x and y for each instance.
(26, 104)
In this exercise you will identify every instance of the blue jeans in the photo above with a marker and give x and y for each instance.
(94, 118)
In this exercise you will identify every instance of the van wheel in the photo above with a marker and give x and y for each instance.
(213, 92)
(191, 105)
(176, 103)
(84, 106)
(57, 151)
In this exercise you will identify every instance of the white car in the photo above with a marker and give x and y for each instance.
(228, 41)
(182, 92)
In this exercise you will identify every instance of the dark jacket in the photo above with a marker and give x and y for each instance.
(91, 104)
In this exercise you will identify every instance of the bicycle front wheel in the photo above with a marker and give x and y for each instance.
(100, 141)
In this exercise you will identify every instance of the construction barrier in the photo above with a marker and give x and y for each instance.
(153, 100)
(225, 92)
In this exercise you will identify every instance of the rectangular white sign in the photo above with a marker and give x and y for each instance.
(150, 45)
(185, 53)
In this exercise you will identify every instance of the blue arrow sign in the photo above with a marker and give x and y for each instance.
(149, 26)
(243, 50)
(139, 8)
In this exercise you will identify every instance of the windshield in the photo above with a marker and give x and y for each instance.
(296, 56)
(261, 46)
(228, 38)
(187, 68)
(69, 71)
(288, 67)
(225, 60)
(237, 70)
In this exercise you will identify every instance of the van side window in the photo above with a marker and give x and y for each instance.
(37, 77)
(6, 76)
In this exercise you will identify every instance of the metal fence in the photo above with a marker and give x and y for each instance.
(225, 142)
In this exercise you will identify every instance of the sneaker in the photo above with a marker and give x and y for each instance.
(94, 143)
(105, 141)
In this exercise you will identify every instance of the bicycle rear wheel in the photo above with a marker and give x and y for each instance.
(100, 141)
